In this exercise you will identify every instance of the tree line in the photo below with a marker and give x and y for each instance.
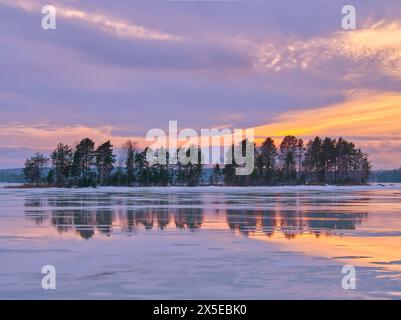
(85, 221)
(320, 161)
(388, 176)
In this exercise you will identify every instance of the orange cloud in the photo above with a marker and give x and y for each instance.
(371, 120)
(377, 44)
(367, 115)
(46, 138)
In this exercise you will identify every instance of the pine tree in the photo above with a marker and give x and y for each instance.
(329, 158)
(215, 178)
(162, 171)
(230, 178)
(267, 165)
(251, 179)
(192, 170)
(142, 168)
(130, 163)
(314, 161)
(105, 160)
(198, 168)
(83, 162)
(288, 154)
(33, 169)
(322, 161)
(62, 160)
(344, 154)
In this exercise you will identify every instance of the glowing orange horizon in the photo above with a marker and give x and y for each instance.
(372, 121)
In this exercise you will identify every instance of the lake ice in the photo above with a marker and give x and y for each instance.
(201, 243)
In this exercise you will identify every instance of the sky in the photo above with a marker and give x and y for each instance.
(116, 69)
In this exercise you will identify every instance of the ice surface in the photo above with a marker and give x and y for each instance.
(201, 243)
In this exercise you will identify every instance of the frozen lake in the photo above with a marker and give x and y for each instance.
(201, 243)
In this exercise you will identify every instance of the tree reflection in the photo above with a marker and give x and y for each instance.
(91, 214)
(188, 218)
(35, 210)
(292, 222)
(104, 221)
(242, 220)
(84, 222)
(319, 222)
(63, 220)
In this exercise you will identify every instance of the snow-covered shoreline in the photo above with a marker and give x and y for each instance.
(297, 188)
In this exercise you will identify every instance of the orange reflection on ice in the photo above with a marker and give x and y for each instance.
(375, 251)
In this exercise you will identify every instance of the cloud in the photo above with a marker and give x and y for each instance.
(106, 41)
(371, 120)
(103, 22)
(112, 70)
(377, 46)
(46, 137)
(363, 115)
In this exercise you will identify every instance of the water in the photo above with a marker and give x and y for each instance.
(216, 243)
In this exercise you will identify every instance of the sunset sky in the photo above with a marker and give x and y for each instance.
(115, 69)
